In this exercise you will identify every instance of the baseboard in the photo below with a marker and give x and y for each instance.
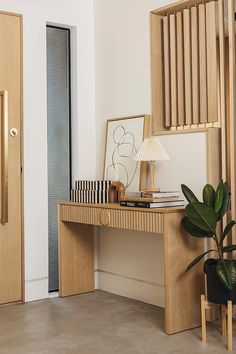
(36, 289)
(138, 289)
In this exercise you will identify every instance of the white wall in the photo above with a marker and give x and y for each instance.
(131, 263)
(78, 14)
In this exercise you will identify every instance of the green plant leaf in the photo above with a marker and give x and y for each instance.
(202, 216)
(227, 229)
(226, 271)
(219, 196)
(193, 229)
(189, 195)
(197, 259)
(230, 248)
(225, 202)
(209, 195)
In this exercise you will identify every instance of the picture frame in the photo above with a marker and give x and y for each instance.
(124, 136)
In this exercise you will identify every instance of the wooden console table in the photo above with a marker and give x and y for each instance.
(76, 254)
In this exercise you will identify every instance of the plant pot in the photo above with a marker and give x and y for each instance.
(216, 291)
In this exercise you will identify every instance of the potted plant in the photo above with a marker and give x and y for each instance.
(201, 221)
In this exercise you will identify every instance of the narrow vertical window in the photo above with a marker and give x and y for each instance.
(59, 136)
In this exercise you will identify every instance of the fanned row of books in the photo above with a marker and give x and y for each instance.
(150, 199)
(95, 191)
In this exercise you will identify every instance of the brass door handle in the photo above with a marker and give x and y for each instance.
(4, 157)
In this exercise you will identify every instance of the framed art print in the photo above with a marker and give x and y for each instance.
(124, 136)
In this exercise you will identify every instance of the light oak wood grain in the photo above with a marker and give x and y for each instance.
(203, 318)
(76, 254)
(157, 69)
(202, 64)
(11, 240)
(229, 322)
(187, 66)
(232, 109)
(166, 38)
(222, 85)
(224, 323)
(76, 264)
(212, 76)
(213, 156)
(195, 64)
(177, 6)
(173, 70)
(144, 164)
(180, 68)
(182, 290)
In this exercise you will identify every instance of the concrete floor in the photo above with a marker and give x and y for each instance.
(97, 323)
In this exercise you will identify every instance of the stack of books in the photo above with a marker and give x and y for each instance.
(91, 191)
(162, 199)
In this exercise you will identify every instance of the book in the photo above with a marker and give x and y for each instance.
(149, 199)
(161, 194)
(152, 204)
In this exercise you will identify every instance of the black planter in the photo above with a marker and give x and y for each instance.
(216, 291)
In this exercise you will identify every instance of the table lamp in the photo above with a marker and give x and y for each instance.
(151, 151)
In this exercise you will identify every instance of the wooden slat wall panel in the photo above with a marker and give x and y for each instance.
(212, 83)
(157, 69)
(195, 64)
(202, 64)
(232, 110)
(180, 68)
(173, 71)
(187, 66)
(166, 38)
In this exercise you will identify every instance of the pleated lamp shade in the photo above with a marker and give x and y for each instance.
(151, 150)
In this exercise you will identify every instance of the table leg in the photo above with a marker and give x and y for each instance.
(223, 319)
(203, 318)
(229, 319)
(76, 258)
(182, 290)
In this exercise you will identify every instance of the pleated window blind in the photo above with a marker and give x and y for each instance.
(59, 154)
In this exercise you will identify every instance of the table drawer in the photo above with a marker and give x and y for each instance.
(123, 219)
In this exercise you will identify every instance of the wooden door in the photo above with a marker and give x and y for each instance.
(10, 159)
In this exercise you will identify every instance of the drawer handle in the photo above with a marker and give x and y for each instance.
(104, 217)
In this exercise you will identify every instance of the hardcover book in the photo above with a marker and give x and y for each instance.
(152, 204)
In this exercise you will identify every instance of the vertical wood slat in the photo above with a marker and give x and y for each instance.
(166, 39)
(195, 64)
(211, 41)
(202, 64)
(232, 110)
(187, 66)
(222, 87)
(180, 68)
(173, 71)
(157, 69)
(222, 97)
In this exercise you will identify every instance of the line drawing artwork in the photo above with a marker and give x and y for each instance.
(124, 148)
(124, 136)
